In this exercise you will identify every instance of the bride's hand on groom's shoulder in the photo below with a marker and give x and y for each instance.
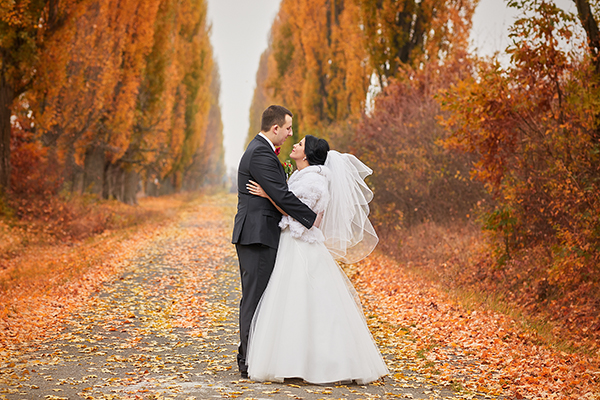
(255, 189)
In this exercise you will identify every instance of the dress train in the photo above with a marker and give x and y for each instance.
(309, 323)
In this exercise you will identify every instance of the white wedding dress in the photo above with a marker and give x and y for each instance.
(309, 323)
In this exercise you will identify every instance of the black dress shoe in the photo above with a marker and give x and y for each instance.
(244, 374)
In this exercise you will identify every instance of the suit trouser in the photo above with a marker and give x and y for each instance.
(256, 265)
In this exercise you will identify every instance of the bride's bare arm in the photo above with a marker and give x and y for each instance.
(255, 189)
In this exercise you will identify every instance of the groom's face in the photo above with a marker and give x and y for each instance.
(283, 132)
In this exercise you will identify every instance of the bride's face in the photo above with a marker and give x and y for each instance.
(298, 151)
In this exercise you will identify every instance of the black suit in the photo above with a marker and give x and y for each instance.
(256, 229)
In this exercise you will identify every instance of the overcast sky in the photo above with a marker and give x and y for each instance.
(240, 30)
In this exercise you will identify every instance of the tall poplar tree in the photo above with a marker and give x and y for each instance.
(24, 26)
(323, 53)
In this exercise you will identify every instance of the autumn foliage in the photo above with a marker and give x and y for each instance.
(110, 97)
(100, 101)
(416, 178)
(314, 65)
(327, 60)
(480, 351)
(534, 126)
(486, 172)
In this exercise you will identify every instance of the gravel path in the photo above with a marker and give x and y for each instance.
(166, 328)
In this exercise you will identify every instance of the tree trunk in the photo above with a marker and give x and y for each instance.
(131, 185)
(152, 186)
(120, 183)
(591, 29)
(6, 99)
(72, 173)
(52, 13)
(93, 174)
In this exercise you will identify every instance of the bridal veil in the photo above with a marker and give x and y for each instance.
(349, 235)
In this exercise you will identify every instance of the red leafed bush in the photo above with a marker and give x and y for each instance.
(415, 178)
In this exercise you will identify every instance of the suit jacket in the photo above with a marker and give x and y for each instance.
(257, 220)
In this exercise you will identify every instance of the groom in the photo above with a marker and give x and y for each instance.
(256, 229)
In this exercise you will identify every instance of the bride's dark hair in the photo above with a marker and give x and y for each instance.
(315, 150)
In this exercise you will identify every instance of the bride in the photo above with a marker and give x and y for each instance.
(309, 322)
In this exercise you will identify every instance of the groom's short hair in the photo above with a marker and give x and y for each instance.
(273, 115)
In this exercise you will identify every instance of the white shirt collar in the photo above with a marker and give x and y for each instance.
(268, 141)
